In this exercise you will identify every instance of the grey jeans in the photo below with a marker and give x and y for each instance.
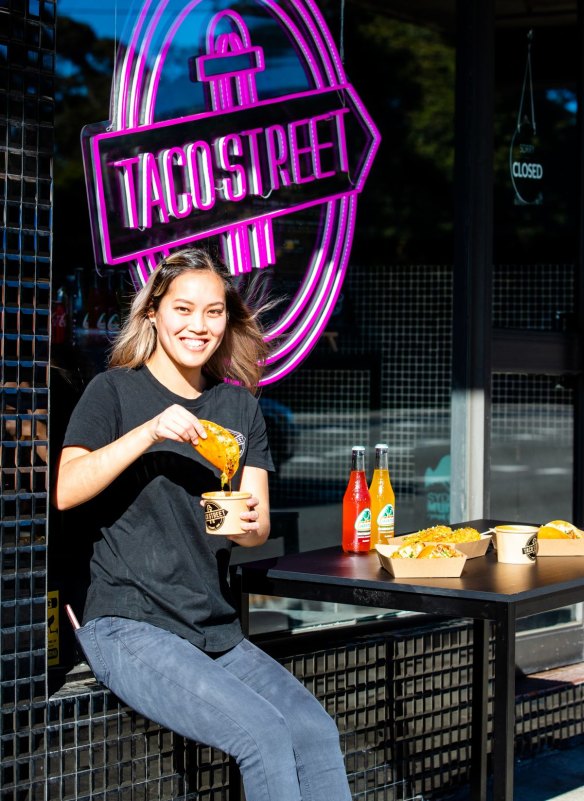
(243, 702)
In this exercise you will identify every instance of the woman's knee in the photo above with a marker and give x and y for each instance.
(311, 723)
(267, 735)
(323, 728)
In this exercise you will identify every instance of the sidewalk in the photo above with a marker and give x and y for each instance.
(555, 775)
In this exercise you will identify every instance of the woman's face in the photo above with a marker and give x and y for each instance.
(191, 319)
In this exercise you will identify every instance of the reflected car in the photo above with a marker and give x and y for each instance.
(282, 430)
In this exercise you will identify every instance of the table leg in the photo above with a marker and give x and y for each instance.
(480, 702)
(242, 601)
(504, 706)
(235, 789)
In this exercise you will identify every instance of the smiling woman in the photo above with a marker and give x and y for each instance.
(189, 322)
(184, 309)
(159, 624)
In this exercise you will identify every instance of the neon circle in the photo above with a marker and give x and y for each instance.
(135, 93)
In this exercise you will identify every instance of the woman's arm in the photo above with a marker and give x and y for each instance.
(256, 521)
(82, 474)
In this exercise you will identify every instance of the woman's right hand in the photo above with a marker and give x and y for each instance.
(178, 424)
(82, 474)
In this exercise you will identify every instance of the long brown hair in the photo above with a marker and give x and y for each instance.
(242, 353)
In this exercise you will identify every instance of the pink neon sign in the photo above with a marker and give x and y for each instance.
(237, 166)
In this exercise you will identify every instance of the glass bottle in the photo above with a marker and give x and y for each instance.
(382, 499)
(113, 311)
(80, 316)
(59, 318)
(356, 506)
(97, 312)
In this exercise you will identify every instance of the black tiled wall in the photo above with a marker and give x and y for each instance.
(27, 55)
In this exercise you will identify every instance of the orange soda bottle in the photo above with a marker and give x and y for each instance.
(356, 506)
(382, 499)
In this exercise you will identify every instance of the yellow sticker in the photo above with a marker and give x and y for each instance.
(53, 656)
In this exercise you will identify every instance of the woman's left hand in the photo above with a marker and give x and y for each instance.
(255, 522)
(250, 524)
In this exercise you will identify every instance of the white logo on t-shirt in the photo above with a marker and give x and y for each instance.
(240, 441)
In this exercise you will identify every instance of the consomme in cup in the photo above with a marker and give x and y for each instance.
(516, 544)
(222, 511)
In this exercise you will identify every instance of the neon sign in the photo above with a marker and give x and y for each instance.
(240, 163)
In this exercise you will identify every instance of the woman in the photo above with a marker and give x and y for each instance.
(159, 626)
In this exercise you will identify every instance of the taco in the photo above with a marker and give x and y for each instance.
(220, 448)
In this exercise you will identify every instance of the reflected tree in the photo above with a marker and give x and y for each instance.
(85, 65)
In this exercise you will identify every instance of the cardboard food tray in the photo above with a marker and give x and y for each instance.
(469, 549)
(560, 547)
(419, 568)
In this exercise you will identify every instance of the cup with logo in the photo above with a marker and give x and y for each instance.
(222, 511)
(516, 544)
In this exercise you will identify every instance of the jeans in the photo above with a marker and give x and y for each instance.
(242, 702)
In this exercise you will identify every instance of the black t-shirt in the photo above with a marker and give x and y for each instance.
(153, 560)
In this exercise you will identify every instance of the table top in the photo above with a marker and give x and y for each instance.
(330, 574)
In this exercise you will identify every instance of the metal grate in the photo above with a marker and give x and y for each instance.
(548, 718)
(27, 53)
(536, 297)
(404, 311)
(97, 748)
(531, 447)
(319, 467)
(383, 378)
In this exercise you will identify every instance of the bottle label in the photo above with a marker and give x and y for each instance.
(113, 323)
(386, 519)
(363, 524)
(59, 324)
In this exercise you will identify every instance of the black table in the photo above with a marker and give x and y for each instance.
(487, 592)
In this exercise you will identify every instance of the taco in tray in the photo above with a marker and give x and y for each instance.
(559, 530)
(438, 550)
(421, 550)
(443, 534)
(408, 551)
(465, 534)
(432, 534)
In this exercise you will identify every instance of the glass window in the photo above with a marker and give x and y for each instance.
(380, 371)
(536, 223)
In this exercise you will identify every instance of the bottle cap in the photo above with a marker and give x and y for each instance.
(381, 446)
(358, 448)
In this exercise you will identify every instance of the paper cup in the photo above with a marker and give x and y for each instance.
(222, 511)
(516, 544)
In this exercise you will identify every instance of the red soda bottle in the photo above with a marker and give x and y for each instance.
(59, 318)
(357, 506)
